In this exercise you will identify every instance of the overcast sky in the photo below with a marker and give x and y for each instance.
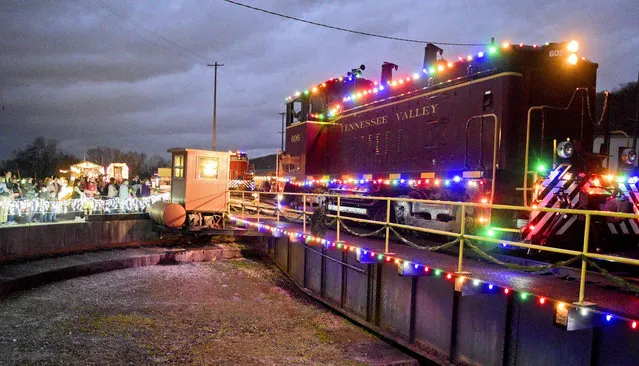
(132, 74)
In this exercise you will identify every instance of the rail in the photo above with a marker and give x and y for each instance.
(261, 207)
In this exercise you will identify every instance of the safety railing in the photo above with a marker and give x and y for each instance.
(268, 204)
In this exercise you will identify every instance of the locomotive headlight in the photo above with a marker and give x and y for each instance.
(565, 149)
(573, 59)
(573, 46)
(629, 156)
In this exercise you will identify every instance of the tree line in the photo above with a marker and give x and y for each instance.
(622, 108)
(45, 158)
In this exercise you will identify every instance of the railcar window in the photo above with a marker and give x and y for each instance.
(317, 104)
(178, 166)
(297, 112)
(207, 167)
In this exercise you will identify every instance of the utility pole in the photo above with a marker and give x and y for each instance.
(282, 132)
(215, 65)
(637, 102)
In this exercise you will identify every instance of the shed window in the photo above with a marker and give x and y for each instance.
(207, 167)
(178, 166)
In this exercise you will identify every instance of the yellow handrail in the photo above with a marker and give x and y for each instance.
(462, 235)
(471, 204)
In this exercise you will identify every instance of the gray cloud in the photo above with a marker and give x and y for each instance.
(133, 75)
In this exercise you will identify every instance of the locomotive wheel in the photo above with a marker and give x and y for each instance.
(401, 211)
(379, 214)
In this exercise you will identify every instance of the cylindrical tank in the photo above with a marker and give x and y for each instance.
(168, 214)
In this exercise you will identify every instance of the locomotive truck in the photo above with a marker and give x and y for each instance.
(508, 124)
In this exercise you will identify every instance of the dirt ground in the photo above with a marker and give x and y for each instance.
(239, 312)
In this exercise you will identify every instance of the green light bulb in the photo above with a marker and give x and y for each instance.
(541, 168)
(492, 49)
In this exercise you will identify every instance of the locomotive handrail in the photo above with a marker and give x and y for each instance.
(462, 234)
(496, 142)
(526, 152)
(525, 191)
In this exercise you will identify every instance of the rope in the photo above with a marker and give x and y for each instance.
(294, 219)
(417, 246)
(618, 280)
(519, 267)
(350, 231)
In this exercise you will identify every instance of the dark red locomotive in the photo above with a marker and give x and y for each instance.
(484, 128)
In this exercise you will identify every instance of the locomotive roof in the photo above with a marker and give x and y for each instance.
(351, 91)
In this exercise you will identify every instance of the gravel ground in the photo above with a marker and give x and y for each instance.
(239, 312)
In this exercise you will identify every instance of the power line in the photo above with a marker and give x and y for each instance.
(353, 31)
(161, 47)
(124, 17)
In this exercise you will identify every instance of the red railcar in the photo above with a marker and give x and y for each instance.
(476, 128)
(239, 166)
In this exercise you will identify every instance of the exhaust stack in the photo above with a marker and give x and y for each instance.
(387, 72)
(430, 54)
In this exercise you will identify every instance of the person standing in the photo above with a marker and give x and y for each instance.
(52, 197)
(90, 192)
(124, 195)
(16, 193)
(30, 195)
(145, 188)
(103, 187)
(77, 194)
(6, 178)
(5, 198)
(112, 189)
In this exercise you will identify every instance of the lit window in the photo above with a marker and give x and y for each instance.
(207, 167)
(178, 166)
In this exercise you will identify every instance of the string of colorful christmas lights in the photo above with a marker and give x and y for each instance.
(428, 71)
(461, 278)
(436, 182)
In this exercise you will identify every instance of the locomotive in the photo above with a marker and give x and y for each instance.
(509, 124)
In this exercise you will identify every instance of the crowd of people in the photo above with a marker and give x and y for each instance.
(42, 197)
